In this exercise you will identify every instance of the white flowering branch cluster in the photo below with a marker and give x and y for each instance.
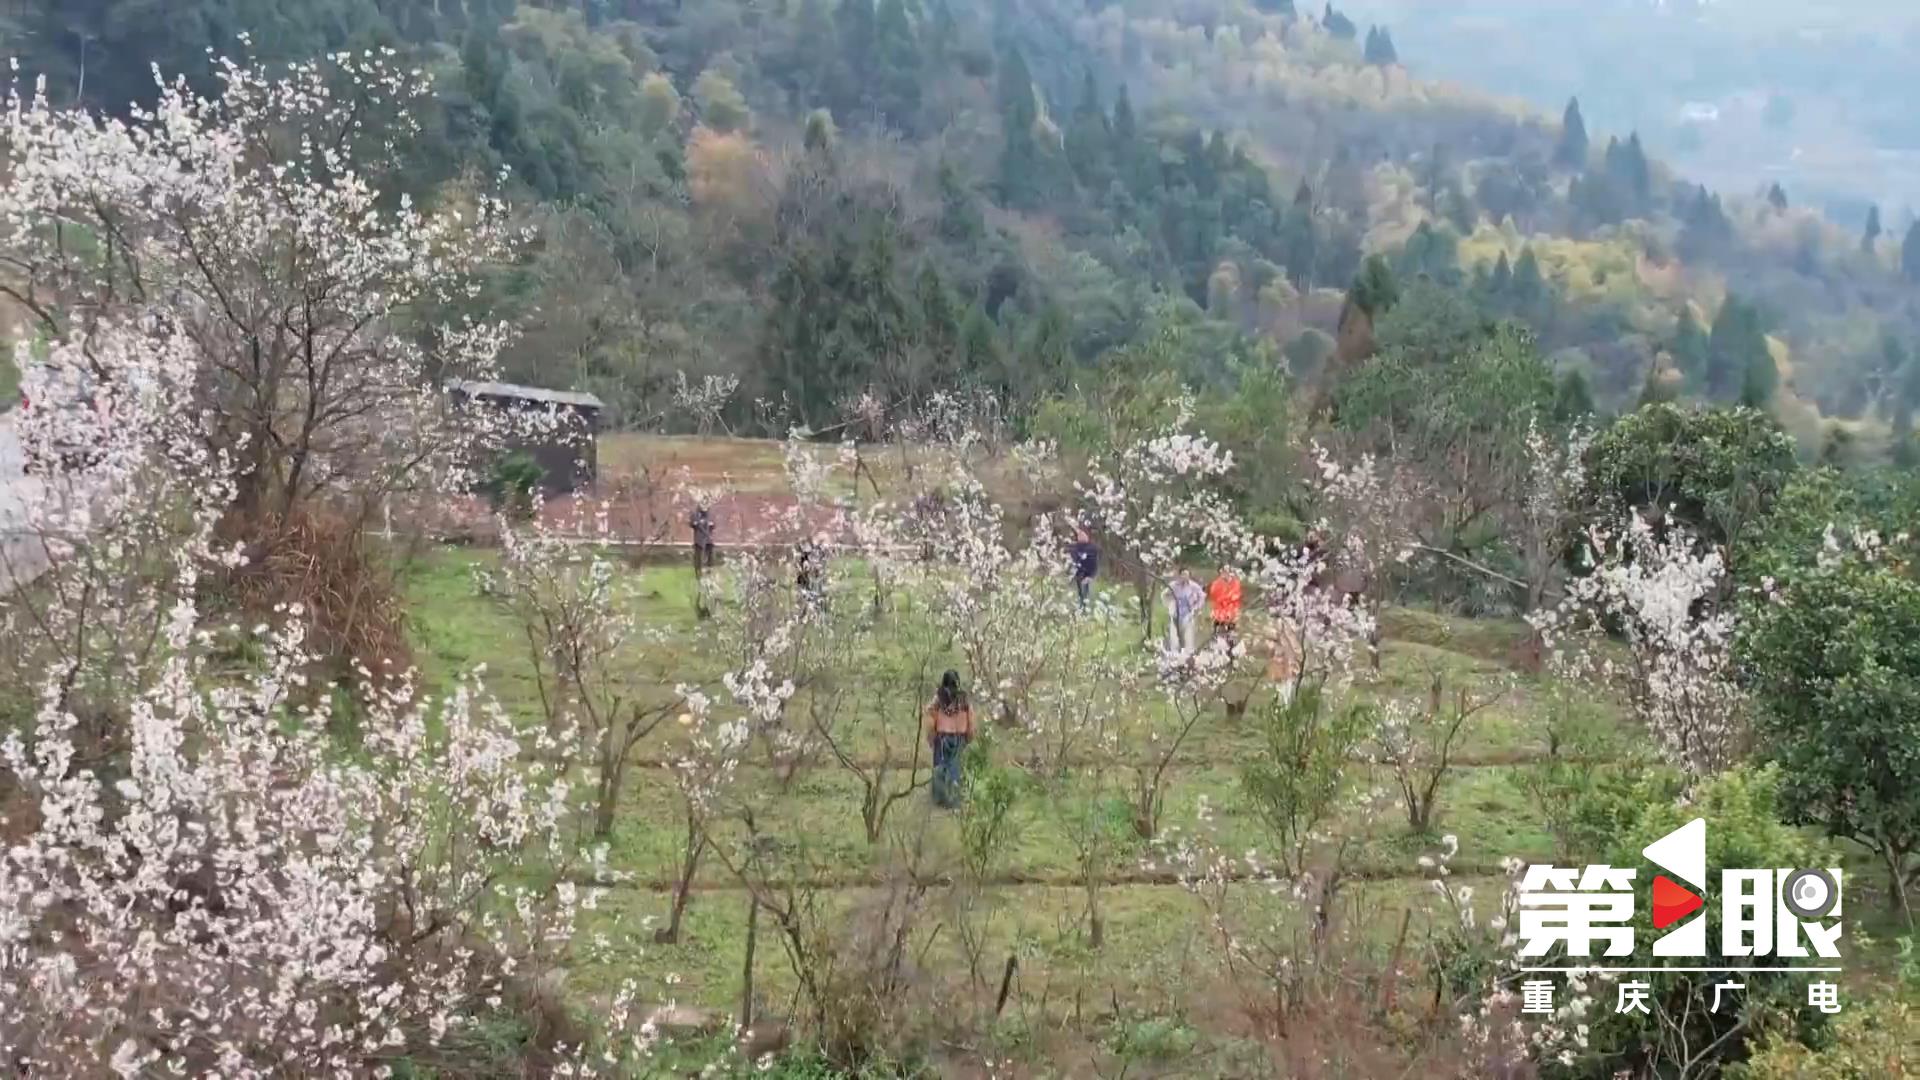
(1664, 594)
(1491, 1020)
(244, 900)
(237, 230)
(1372, 510)
(704, 401)
(1548, 511)
(201, 881)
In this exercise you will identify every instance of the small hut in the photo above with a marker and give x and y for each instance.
(567, 453)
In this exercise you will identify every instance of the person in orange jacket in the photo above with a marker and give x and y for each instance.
(1224, 594)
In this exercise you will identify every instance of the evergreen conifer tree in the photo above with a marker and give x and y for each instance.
(1572, 151)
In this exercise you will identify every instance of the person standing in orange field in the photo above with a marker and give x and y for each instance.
(1224, 595)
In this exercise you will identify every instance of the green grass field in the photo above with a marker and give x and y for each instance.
(1151, 922)
(1156, 991)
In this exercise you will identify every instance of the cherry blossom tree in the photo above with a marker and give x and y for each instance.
(248, 226)
(1370, 509)
(242, 899)
(575, 607)
(1662, 591)
(200, 880)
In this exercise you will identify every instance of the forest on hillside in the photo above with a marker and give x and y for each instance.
(1738, 93)
(757, 212)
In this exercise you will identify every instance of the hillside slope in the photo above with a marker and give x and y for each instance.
(815, 201)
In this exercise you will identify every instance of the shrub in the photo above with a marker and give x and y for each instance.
(1872, 1042)
(512, 483)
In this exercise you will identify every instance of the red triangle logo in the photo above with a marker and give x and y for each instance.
(1672, 902)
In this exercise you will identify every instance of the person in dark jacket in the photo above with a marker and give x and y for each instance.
(702, 524)
(949, 727)
(812, 576)
(1086, 563)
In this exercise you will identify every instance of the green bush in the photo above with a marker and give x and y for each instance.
(1153, 1038)
(1744, 829)
(1876, 1041)
(511, 485)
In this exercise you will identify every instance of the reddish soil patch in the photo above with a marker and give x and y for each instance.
(657, 517)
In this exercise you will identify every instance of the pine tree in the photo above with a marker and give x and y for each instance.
(1047, 353)
(1705, 231)
(1124, 132)
(1303, 197)
(1690, 350)
(1738, 360)
(1894, 362)
(1379, 48)
(1276, 7)
(1761, 379)
(1134, 158)
(858, 33)
(1910, 253)
(1654, 390)
(961, 221)
(1088, 136)
(1338, 25)
(1529, 285)
(1906, 392)
(818, 73)
(1572, 398)
(1872, 234)
(939, 320)
(1572, 151)
(894, 88)
(1777, 197)
(1836, 449)
(1906, 452)
(1639, 175)
(819, 137)
(1375, 291)
(980, 347)
(1502, 281)
(1020, 153)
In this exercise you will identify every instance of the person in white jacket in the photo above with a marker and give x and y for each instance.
(1184, 599)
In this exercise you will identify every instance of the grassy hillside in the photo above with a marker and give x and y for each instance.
(1154, 991)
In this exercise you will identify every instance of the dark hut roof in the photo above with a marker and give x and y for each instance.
(570, 398)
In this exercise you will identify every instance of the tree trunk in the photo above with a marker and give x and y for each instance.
(746, 969)
(683, 889)
(611, 773)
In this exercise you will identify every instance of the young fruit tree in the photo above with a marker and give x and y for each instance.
(575, 608)
(1677, 668)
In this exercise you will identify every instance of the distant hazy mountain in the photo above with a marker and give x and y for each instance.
(1737, 93)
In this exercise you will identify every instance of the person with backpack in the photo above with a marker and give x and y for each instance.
(949, 728)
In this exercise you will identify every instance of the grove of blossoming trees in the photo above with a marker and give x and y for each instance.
(224, 856)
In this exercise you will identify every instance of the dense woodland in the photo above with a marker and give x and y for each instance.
(826, 200)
